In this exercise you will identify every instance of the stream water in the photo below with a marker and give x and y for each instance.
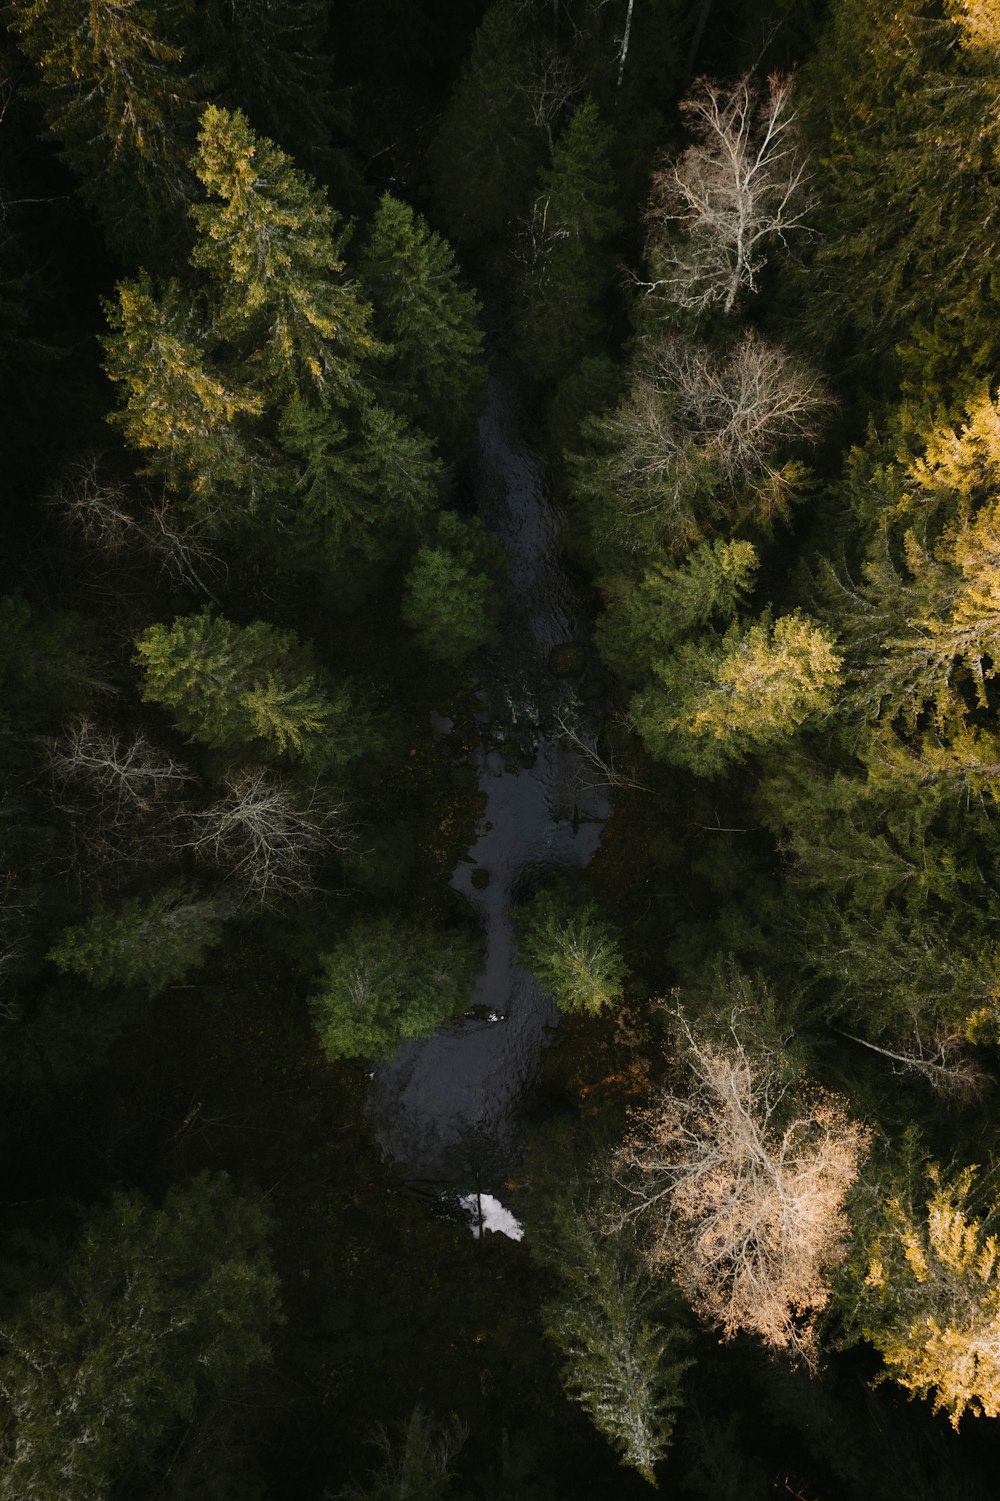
(446, 1108)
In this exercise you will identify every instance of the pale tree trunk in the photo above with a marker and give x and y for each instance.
(625, 42)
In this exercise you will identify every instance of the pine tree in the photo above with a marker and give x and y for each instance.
(428, 321)
(247, 689)
(150, 1312)
(153, 941)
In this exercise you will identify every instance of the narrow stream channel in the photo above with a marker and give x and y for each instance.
(446, 1108)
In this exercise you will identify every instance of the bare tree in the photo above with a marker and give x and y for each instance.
(734, 193)
(120, 794)
(740, 408)
(537, 235)
(268, 835)
(126, 775)
(548, 83)
(113, 519)
(695, 427)
(742, 1177)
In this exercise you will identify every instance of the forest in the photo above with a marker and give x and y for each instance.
(499, 569)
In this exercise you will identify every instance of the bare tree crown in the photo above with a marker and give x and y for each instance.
(734, 193)
(742, 1179)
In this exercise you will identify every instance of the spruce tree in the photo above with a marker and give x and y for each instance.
(149, 1314)
(152, 941)
(573, 222)
(269, 58)
(450, 599)
(618, 1331)
(247, 689)
(715, 702)
(388, 979)
(673, 600)
(571, 951)
(429, 322)
(193, 417)
(489, 148)
(930, 1302)
(274, 249)
(121, 98)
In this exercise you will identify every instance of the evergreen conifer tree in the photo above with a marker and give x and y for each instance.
(246, 689)
(930, 1301)
(388, 979)
(428, 321)
(121, 98)
(622, 1346)
(450, 599)
(274, 249)
(152, 941)
(574, 220)
(150, 1312)
(488, 149)
(673, 601)
(717, 702)
(572, 953)
(192, 418)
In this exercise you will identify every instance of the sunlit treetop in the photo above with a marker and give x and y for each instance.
(933, 1287)
(273, 245)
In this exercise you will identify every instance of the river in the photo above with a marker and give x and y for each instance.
(447, 1108)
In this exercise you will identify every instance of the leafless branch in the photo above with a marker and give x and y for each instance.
(548, 82)
(733, 194)
(112, 519)
(269, 835)
(945, 1063)
(119, 772)
(697, 425)
(741, 1179)
(586, 745)
(119, 796)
